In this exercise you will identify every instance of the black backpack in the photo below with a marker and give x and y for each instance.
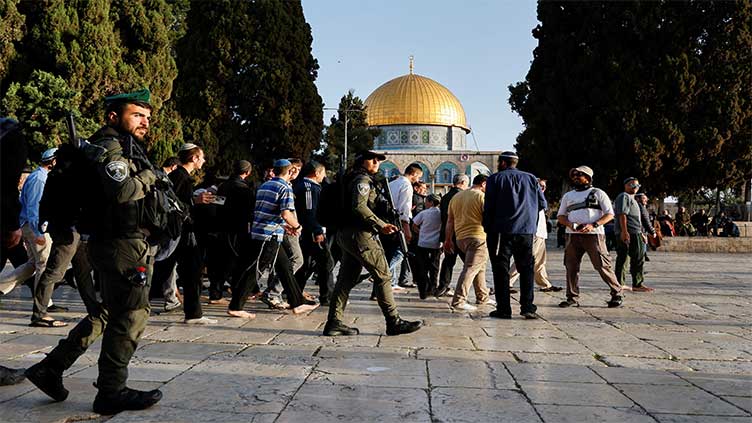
(331, 205)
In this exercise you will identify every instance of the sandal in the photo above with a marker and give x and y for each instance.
(47, 323)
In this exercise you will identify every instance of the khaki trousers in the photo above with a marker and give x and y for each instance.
(474, 270)
(595, 247)
(539, 255)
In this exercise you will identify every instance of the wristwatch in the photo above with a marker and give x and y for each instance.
(594, 225)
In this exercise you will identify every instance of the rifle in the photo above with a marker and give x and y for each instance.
(393, 217)
(72, 134)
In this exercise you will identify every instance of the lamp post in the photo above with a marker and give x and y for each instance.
(346, 112)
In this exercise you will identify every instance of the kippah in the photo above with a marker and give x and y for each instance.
(509, 155)
(630, 179)
(140, 96)
(282, 163)
(188, 146)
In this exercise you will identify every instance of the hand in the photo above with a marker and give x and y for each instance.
(289, 230)
(408, 233)
(318, 239)
(40, 240)
(585, 228)
(625, 237)
(205, 197)
(13, 238)
(388, 229)
(448, 246)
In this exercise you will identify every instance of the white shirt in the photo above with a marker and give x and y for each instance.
(429, 221)
(402, 197)
(542, 229)
(585, 216)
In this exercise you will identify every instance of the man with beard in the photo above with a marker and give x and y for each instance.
(584, 211)
(119, 251)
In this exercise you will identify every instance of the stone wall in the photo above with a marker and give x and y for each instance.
(700, 244)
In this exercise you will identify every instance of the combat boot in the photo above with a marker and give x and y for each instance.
(616, 301)
(48, 380)
(337, 328)
(398, 326)
(127, 399)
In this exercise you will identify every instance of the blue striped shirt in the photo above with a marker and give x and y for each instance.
(273, 197)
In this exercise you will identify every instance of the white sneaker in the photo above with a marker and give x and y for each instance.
(489, 302)
(201, 321)
(465, 307)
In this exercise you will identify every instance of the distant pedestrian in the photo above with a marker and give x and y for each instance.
(428, 225)
(630, 247)
(460, 183)
(584, 211)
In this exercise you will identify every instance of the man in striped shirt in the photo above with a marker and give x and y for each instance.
(273, 217)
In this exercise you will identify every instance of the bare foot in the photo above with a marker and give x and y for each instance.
(242, 314)
(305, 308)
(221, 301)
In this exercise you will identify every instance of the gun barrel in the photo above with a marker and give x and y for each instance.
(72, 135)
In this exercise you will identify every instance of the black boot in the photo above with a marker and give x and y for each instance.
(399, 326)
(127, 399)
(616, 301)
(48, 380)
(10, 376)
(337, 328)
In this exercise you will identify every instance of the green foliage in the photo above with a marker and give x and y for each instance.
(654, 89)
(359, 135)
(246, 81)
(42, 104)
(11, 32)
(99, 47)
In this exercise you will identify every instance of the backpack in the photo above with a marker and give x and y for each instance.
(163, 214)
(331, 205)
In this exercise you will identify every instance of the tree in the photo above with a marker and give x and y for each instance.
(654, 89)
(359, 136)
(97, 47)
(11, 32)
(246, 83)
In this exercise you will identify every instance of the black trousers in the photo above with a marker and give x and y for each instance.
(264, 254)
(188, 258)
(501, 248)
(447, 266)
(317, 258)
(426, 270)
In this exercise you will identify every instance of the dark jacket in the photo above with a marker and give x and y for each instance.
(307, 193)
(240, 199)
(444, 207)
(513, 200)
(182, 184)
(13, 155)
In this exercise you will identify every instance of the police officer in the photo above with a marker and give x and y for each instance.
(359, 241)
(119, 251)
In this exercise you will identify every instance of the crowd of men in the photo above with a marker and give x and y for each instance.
(145, 232)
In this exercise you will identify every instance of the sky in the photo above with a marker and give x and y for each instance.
(475, 48)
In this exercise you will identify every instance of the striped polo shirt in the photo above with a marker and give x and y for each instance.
(272, 197)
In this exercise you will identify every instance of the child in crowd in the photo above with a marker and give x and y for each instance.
(428, 225)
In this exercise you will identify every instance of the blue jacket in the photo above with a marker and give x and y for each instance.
(513, 200)
(31, 194)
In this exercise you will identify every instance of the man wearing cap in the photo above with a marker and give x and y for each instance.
(34, 232)
(273, 216)
(584, 211)
(510, 217)
(629, 245)
(120, 253)
(359, 241)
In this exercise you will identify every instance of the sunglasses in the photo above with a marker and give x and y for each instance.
(634, 185)
(576, 174)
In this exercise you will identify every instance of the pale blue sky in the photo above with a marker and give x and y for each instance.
(475, 48)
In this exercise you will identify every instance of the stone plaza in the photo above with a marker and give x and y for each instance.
(680, 354)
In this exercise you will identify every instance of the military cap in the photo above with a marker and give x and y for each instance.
(370, 154)
(140, 96)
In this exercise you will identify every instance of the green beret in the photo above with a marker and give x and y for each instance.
(140, 96)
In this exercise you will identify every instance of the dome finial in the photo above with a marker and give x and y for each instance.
(412, 59)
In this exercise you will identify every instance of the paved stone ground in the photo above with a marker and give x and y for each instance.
(681, 354)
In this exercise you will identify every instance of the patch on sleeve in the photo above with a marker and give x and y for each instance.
(116, 170)
(364, 188)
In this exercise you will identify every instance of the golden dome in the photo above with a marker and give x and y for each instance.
(413, 99)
